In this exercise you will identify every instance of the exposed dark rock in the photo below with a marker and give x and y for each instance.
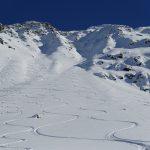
(35, 116)
(129, 76)
(134, 61)
(111, 77)
(119, 55)
(132, 43)
(147, 41)
(115, 57)
(127, 69)
(1, 41)
(120, 77)
(1, 27)
(100, 62)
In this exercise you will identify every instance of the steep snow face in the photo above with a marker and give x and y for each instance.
(115, 52)
(96, 38)
(29, 49)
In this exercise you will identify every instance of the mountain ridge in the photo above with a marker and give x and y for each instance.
(115, 52)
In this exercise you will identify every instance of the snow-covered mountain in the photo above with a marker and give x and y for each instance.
(29, 49)
(114, 52)
(74, 90)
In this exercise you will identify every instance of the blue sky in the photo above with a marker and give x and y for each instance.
(77, 14)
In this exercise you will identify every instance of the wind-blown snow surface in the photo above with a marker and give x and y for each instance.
(75, 90)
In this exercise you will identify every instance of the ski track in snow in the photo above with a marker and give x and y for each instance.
(6, 135)
(110, 136)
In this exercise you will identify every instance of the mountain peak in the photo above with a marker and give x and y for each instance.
(115, 52)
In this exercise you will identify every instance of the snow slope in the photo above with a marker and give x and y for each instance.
(32, 48)
(115, 52)
(76, 90)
